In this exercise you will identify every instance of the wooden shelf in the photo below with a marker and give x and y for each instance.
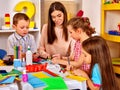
(106, 13)
(115, 6)
(6, 30)
(109, 37)
(116, 65)
(116, 69)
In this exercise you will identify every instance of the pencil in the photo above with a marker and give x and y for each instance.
(68, 59)
(68, 53)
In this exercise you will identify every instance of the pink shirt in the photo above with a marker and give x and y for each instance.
(77, 53)
(58, 47)
(77, 50)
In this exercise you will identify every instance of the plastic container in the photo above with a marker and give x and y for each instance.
(17, 63)
(28, 57)
(23, 62)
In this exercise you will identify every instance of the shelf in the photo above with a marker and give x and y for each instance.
(116, 61)
(6, 30)
(109, 37)
(116, 65)
(115, 6)
(116, 69)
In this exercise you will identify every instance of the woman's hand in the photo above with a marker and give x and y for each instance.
(57, 56)
(44, 55)
(55, 60)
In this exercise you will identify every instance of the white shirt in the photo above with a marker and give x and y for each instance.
(17, 40)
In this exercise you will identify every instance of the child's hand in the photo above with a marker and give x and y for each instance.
(79, 72)
(69, 67)
(65, 58)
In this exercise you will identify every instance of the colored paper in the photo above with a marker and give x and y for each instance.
(54, 83)
(40, 75)
(35, 82)
(8, 80)
(78, 78)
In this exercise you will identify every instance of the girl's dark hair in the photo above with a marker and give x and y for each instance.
(51, 32)
(20, 16)
(98, 49)
(81, 22)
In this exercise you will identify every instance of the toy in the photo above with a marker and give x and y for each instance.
(119, 26)
(7, 21)
(30, 10)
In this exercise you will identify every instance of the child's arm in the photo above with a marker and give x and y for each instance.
(65, 62)
(59, 61)
(10, 46)
(89, 81)
(32, 45)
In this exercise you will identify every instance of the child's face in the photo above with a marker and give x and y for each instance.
(22, 27)
(57, 17)
(75, 34)
(86, 56)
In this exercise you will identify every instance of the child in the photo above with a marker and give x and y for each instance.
(102, 76)
(21, 37)
(80, 30)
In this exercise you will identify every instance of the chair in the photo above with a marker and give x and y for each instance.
(2, 53)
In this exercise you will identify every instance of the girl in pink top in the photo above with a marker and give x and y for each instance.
(80, 30)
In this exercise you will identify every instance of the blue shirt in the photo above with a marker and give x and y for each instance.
(96, 75)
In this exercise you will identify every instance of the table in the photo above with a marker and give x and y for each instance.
(71, 84)
(7, 68)
(25, 86)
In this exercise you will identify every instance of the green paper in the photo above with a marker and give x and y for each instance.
(54, 83)
(3, 77)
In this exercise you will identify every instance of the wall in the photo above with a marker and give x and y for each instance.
(92, 9)
(72, 7)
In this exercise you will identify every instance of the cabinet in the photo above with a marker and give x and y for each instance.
(7, 6)
(110, 21)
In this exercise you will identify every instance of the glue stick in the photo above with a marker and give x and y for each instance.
(24, 76)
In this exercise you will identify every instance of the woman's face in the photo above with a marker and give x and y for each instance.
(57, 17)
